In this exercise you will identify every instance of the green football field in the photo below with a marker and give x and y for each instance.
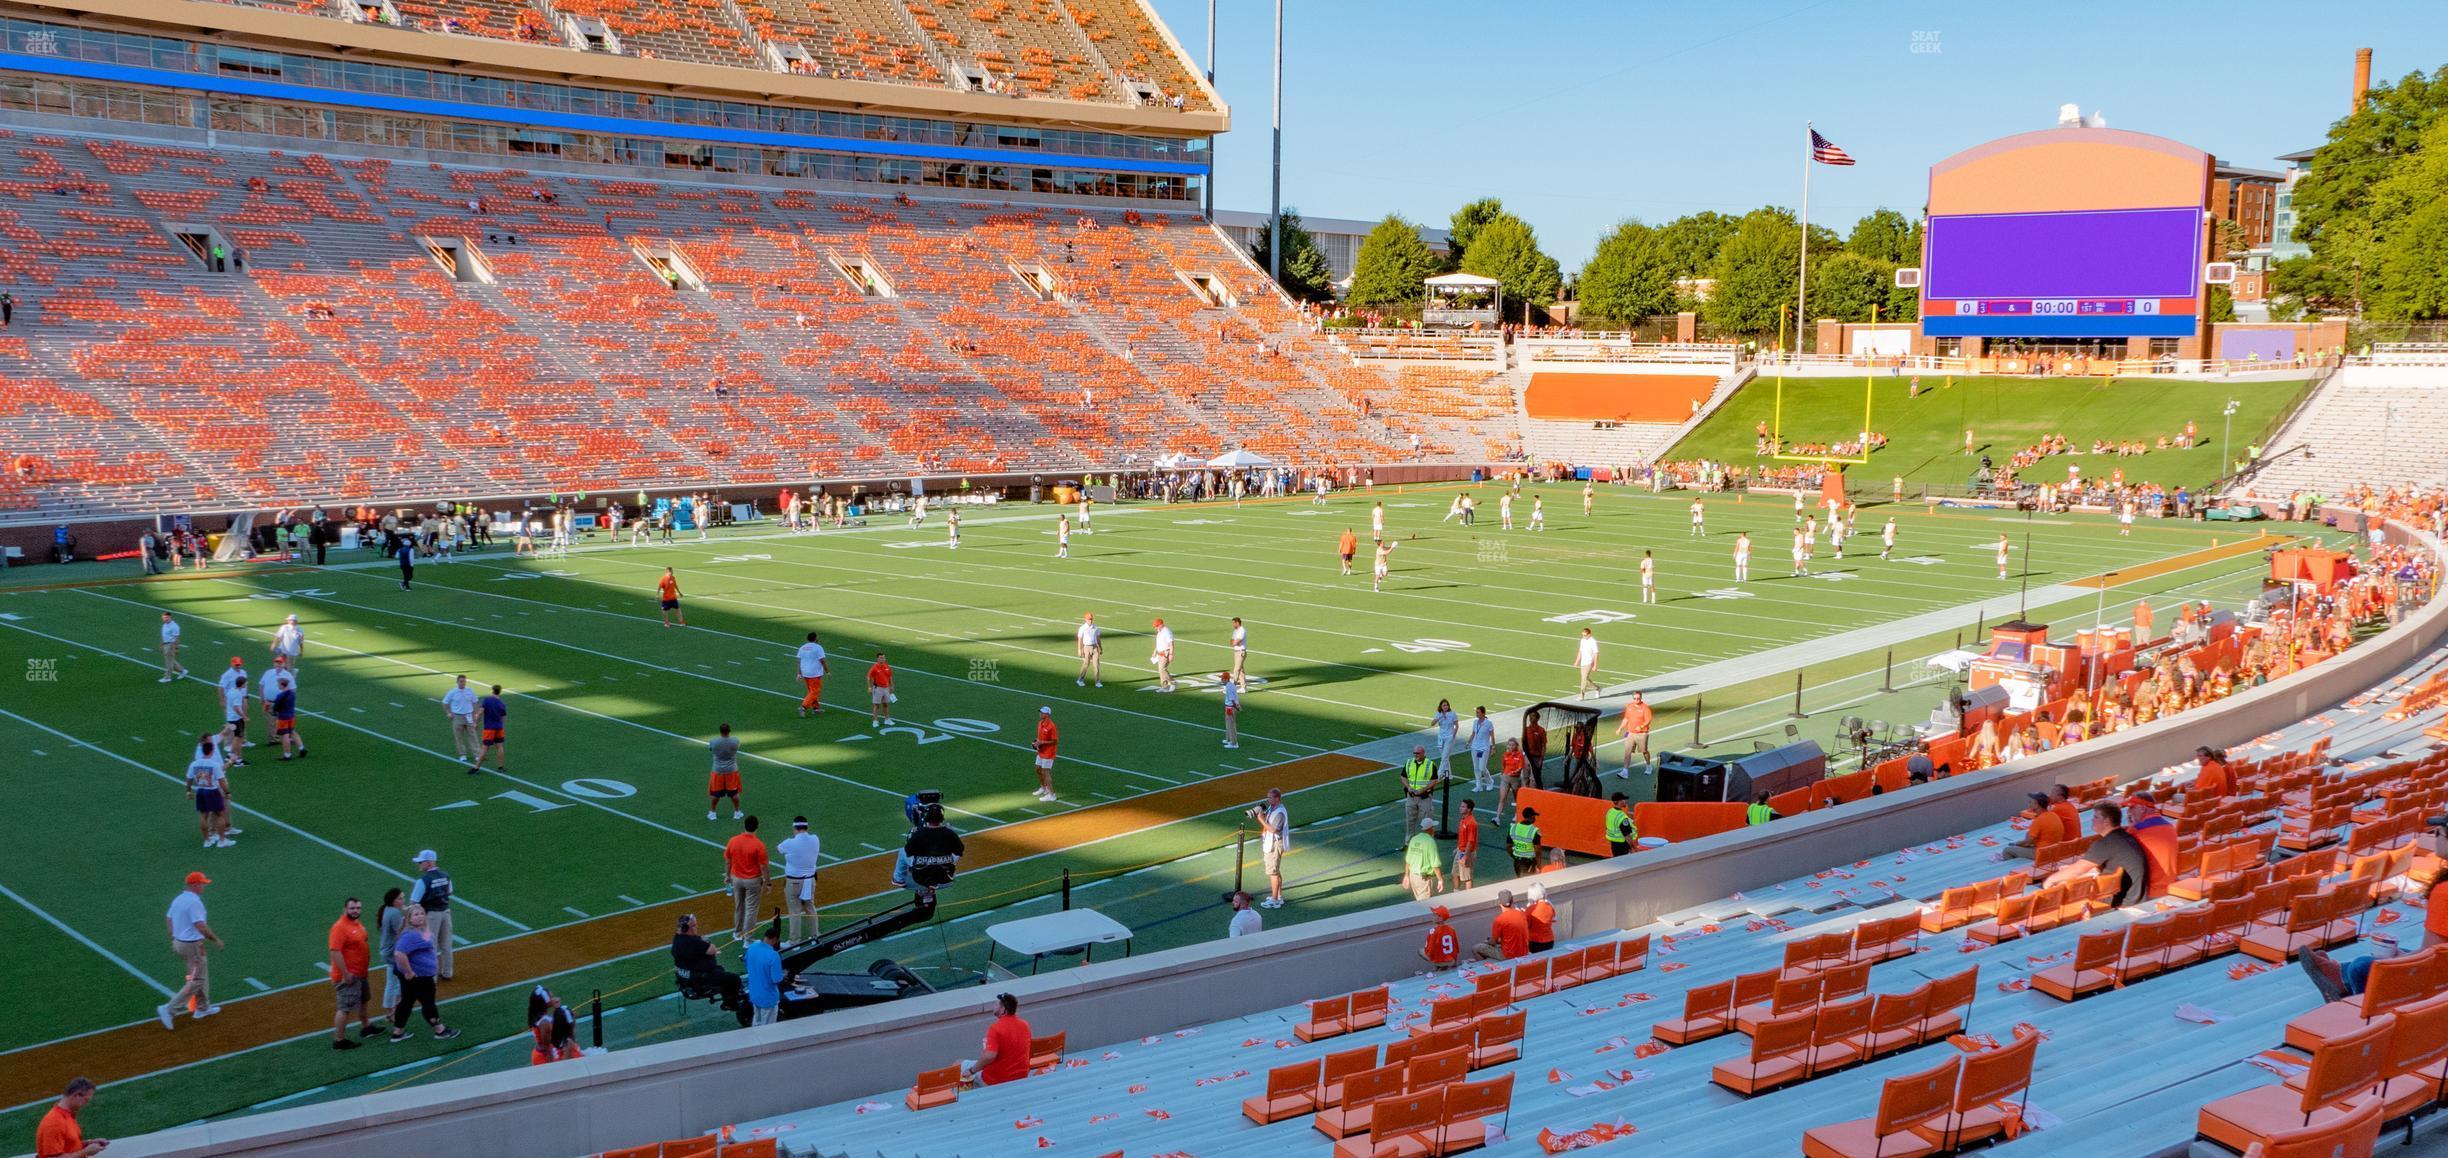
(2005, 415)
(569, 862)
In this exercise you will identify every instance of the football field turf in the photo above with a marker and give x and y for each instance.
(572, 863)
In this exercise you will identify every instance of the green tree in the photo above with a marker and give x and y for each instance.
(2337, 209)
(1466, 224)
(1903, 305)
(1845, 285)
(1886, 235)
(1306, 275)
(1754, 274)
(1691, 242)
(2412, 281)
(1391, 264)
(2219, 304)
(1507, 249)
(1629, 278)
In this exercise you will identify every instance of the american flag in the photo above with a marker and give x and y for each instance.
(1825, 151)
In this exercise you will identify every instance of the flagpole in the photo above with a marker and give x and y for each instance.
(1802, 276)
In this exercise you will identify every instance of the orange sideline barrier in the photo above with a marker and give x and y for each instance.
(1572, 397)
(1566, 821)
(1796, 802)
(1844, 789)
(1674, 822)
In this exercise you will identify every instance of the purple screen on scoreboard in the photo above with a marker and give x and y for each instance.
(2121, 253)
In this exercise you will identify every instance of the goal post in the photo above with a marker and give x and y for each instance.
(1776, 426)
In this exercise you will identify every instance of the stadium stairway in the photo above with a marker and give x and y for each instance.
(2186, 1036)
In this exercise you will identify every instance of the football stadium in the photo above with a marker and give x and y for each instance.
(819, 597)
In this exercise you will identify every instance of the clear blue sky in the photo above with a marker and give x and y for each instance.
(1581, 114)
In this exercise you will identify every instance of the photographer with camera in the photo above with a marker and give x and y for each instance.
(1274, 839)
(2338, 981)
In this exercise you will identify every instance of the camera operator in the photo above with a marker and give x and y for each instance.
(694, 956)
(931, 856)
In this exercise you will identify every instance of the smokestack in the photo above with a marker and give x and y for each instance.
(2362, 79)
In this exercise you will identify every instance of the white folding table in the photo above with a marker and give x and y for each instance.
(1057, 934)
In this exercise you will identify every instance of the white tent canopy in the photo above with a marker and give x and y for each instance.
(1172, 460)
(1464, 281)
(1237, 458)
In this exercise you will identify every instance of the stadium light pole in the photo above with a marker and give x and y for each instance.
(1275, 241)
(2226, 431)
(1211, 176)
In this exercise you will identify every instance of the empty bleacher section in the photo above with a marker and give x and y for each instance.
(2375, 424)
(1615, 404)
(1102, 51)
(390, 330)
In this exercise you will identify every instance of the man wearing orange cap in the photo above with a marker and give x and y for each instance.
(188, 933)
(1443, 950)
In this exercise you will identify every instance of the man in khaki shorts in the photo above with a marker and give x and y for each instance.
(459, 704)
(188, 933)
(1274, 839)
(172, 669)
(1091, 652)
(350, 990)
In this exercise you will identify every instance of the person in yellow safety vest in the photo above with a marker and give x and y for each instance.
(1620, 831)
(1525, 842)
(1759, 813)
(1418, 784)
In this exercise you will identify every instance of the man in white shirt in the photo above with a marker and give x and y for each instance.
(236, 673)
(1585, 660)
(801, 851)
(1742, 557)
(188, 933)
(812, 674)
(1648, 572)
(1245, 920)
(1274, 840)
(172, 669)
(459, 703)
(1162, 657)
(1699, 514)
(234, 721)
(1062, 536)
(289, 641)
(1240, 651)
(1091, 652)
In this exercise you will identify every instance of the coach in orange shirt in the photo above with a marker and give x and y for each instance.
(744, 863)
(1635, 732)
(1347, 546)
